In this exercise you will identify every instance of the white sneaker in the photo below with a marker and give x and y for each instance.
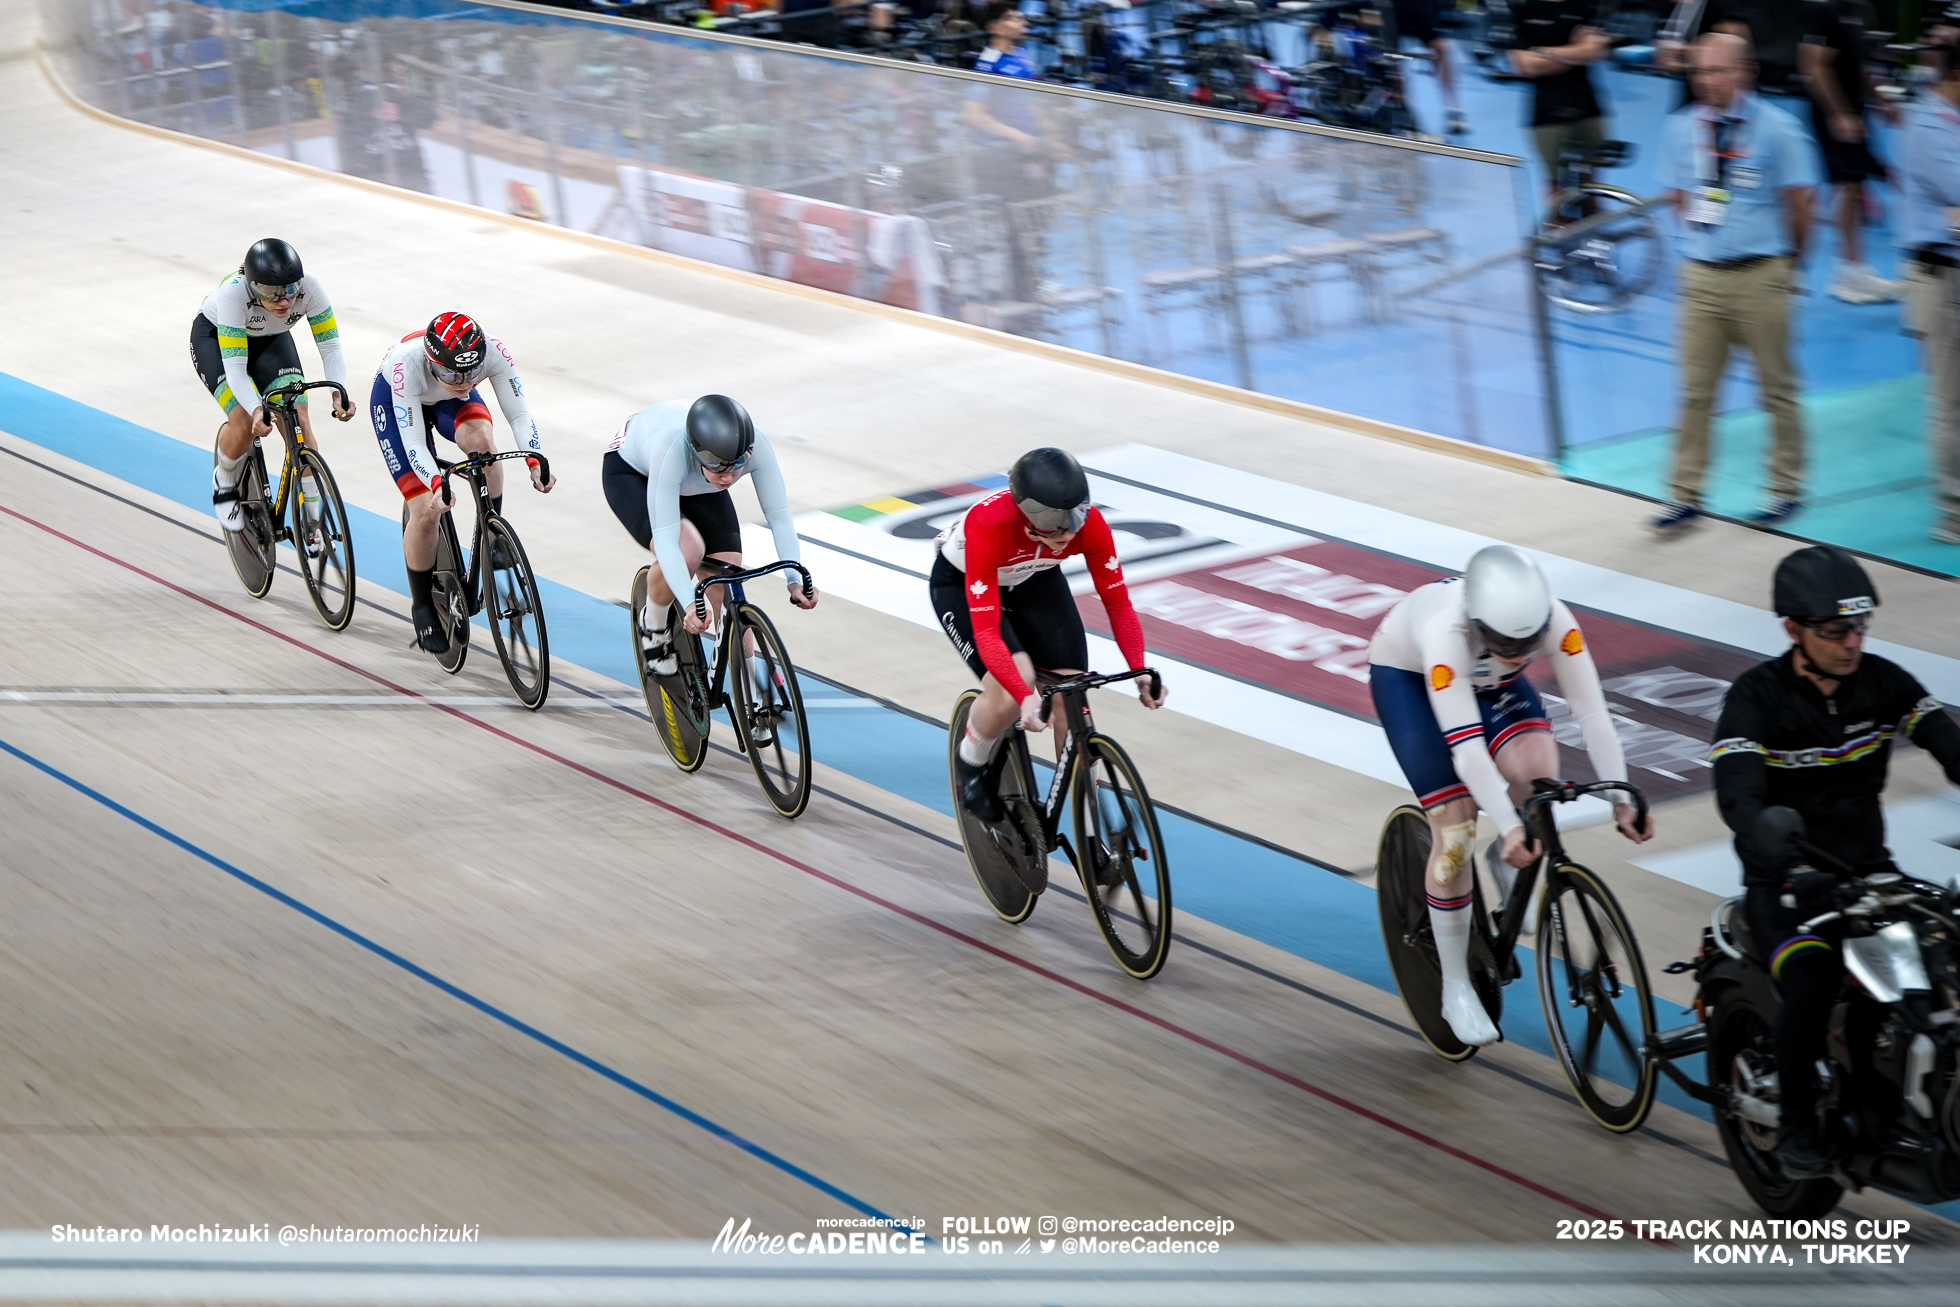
(224, 503)
(1857, 284)
(1465, 1013)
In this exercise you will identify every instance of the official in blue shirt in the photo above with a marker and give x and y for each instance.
(1740, 172)
(1018, 163)
(1929, 174)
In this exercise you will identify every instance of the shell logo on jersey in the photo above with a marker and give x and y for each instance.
(1573, 643)
(1440, 677)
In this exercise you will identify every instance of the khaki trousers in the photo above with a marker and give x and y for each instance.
(1933, 306)
(1720, 308)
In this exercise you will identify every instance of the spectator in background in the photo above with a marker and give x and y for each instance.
(1554, 43)
(1021, 164)
(1832, 59)
(1929, 175)
(1740, 173)
(1416, 20)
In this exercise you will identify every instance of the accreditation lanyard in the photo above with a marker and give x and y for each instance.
(1709, 203)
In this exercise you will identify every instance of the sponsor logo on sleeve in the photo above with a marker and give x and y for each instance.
(1441, 677)
(1573, 644)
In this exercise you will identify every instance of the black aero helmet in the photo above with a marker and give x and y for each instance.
(1821, 582)
(1050, 489)
(720, 432)
(273, 268)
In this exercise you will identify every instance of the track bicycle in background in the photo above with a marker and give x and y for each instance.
(303, 508)
(1118, 851)
(766, 707)
(505, 591)
(1598, 248)
(1592, 983)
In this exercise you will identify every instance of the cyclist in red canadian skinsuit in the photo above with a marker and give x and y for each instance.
(998, 591)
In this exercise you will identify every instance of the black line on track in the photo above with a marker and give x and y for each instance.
(1209, 950)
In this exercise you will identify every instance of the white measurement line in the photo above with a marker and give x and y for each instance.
(222, 699)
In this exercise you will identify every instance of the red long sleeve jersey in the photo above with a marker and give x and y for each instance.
(991, 545)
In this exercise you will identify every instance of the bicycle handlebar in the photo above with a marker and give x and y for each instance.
(735, 577)
(292, 390)
(1551, 791)
(475, 462)
(1094, 681)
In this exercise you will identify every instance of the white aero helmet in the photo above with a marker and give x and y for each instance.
(1507, 600)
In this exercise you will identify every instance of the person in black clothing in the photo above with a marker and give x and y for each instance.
(1813, 730)
(1832, 59)
(1555, 43)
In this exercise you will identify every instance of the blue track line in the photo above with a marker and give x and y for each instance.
(714, 1128)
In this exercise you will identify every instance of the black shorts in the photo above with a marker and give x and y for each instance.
(1417, 19)
(1845, 161)
(713, 514)
(267, 359)
(1037, 617)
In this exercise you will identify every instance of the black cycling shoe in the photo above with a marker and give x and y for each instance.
(428, 631)
(976, 794)
(1802, 1154)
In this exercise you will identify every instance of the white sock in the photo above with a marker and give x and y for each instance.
(1450, 920)
(228, 470)
(652, 620)
(975, 751)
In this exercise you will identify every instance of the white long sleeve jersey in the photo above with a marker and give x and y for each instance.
(1429, 633)
(654, 443)
(236, 312)
(405, 371)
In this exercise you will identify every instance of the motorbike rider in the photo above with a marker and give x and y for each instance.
(1813, 730)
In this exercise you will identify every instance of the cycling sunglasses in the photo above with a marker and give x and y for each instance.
(1504, 646)
(456, 376)
(286, 292)
(736, 466)
(1836, 630)
(1050, 523)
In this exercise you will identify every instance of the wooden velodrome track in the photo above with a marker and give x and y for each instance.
(294, 927)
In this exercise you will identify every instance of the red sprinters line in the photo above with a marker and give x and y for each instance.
(1182, 1032)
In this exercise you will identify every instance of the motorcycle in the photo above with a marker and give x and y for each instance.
(1888, 1092)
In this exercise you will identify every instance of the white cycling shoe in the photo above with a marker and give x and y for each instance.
(224, 503)
(1465, 1013)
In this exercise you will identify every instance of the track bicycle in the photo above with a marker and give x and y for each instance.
(1592, 983)
(1118, 851)
(317, 529)
(506, 591)
(766, 708)
(1598, 248)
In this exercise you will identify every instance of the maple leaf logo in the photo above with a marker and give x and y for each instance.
(978, 587)
(1112, 564)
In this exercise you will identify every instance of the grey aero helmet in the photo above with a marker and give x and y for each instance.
(1507, 600)
(1050, 489)
(720, 433)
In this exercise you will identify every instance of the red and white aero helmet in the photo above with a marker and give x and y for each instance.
(456, 348)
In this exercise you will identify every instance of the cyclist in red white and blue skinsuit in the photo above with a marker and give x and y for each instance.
(1446, 670)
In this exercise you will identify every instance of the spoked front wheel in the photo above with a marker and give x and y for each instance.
(253, 548)
(1120, 853)
(326, 549)
(1402, 898)
(1007, 857)
(1615, 261)
(769, 712)
(449, 587)
(516, 614)
(1598, 1009)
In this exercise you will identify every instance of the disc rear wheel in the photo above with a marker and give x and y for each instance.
(253, 547)
(516, 614)
(769, 712)
(678, 703)
(1402, 898)
(325, 547)
(449, 587)
(1007, 857)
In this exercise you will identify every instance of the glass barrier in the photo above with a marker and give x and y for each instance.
(1375, 278)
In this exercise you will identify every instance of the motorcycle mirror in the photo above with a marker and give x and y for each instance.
(1779, 829)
